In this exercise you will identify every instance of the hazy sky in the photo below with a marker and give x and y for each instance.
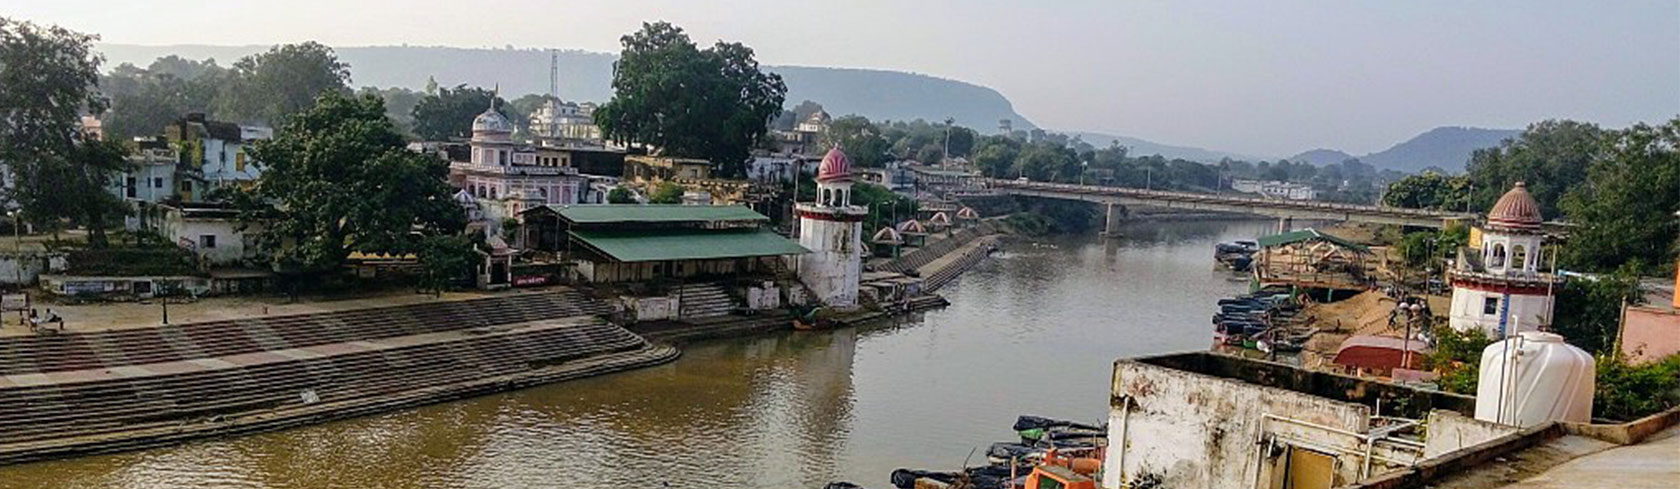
(1270, 77)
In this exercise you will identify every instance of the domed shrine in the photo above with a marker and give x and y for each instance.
(1497, 284)
(505, 178)
(832, 228)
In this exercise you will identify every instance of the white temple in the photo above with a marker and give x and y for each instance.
(503, 178)
(832, 228)
(1498, 287)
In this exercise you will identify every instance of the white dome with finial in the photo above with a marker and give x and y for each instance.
(492, 121)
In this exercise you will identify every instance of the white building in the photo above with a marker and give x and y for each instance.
(832, 228)
(1497, 285)
(214, 154)
(150, 177)
(565, 121)
(213, 233)
(505, 178)
(1274, 188)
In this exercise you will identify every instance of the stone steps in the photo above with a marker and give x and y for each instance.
(137, 346)
(705, 300)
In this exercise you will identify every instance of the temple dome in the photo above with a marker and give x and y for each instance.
(492, 121)
(1516, 209)
(836, 167)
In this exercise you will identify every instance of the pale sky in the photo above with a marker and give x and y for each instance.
(1270, 77)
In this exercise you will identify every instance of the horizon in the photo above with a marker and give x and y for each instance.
(1270, 81)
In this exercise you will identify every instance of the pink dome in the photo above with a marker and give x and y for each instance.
(836, 167)
(1516, 210)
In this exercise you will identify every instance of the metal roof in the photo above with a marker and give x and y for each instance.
(622, 213)
(1307, 235)
(686, 244)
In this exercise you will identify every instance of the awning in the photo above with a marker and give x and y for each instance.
(686, 244)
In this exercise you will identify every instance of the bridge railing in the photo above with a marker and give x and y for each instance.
(1218, 198)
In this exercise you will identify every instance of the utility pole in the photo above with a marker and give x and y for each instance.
(945, 155)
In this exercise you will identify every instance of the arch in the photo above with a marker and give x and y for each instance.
(492, 192)
(1497, 259)
(1519, 257)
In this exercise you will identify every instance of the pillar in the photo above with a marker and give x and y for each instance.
(1111, 220)
(1285, 224)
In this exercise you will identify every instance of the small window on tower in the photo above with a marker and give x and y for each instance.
(1490, 306)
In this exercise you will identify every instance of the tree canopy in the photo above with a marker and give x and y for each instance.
(258, 89)
(1625, 212)
(1429, 190)
(449, 112)
(338, 180)
(712, 103)
(267, 87)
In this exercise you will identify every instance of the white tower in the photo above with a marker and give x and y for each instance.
(832, 228)
(1503, 284)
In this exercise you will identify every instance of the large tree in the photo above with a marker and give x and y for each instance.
(862, 141)
(268, 87)
(712, 103)
(337, 180)
(48, 78)
(1550, 157)
(449, 112)
(1429, 190)
(1625, 211)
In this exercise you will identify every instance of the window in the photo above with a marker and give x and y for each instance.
(1519, 257)
(157, 182)
(1490, 306)
(207, 241)
(503, 156)
(1498, 260)
(239, 161)
(130, 187)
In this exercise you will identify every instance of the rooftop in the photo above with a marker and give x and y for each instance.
(1307, 234)
(653, 213)
(686, 244)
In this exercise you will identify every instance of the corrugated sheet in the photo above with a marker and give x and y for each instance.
(1305, 235)
(687, 244)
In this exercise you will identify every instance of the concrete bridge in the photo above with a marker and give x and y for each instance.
(1116, 198)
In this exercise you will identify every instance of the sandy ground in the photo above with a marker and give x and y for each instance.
(1363, 314)
(106, 316)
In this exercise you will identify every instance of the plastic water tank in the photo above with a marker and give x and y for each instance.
(1532, 378)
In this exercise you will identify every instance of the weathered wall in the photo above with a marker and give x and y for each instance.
(1450, 431)
(1173, 428)
(1650, 333)
(27, 267)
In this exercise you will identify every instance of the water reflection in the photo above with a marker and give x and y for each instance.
(1032, 331)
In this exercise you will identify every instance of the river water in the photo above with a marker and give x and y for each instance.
(1034, 330)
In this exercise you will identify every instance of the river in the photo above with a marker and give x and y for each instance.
(1034, 330)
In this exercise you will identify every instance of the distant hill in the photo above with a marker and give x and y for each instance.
(1445, 147)
(587, 76)
(1140, 147)
(1321, 157)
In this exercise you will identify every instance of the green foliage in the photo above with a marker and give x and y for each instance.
(666, 193)
(1625, 212)
(268, 87)
(1429, 248)
(883, 205)
(1550, 157)
(1626, 392)
(1458, 357)
(145, 100)
(130, 262)
(711, 103)
(450, 112)
(1028, 224)
(620, 195)
(338, 180)
(862, 141)
(399, 104)
(446, 259)
(1588, 311)
(1429, 190)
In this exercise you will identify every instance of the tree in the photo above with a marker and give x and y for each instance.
(1588, 311)
(446, 259)
(338, 179)
(619, 195)
(860, 139)
(49, 77)
(266, 88)
(450, 112)
(399, 104)
(1625, 210)
(1550, 157)
(1429, 190)
(713, 103)
(666, 193)
(962, 141)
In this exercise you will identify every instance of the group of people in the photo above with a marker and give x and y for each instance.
(34, 320)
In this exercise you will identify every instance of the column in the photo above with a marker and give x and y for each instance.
(1285, 224)
(1111, 226)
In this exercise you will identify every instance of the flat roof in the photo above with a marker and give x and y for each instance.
(686, 244)
(619, 213)
(1305, 235)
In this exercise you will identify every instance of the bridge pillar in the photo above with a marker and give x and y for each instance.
(1285, 224)
(1111, 220)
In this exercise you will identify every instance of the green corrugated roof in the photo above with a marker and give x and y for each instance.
(1304, 235)
(687, 244)
(611, 213)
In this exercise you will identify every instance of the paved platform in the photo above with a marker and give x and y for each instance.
(1653, 464)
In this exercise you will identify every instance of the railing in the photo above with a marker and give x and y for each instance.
(1219, 199)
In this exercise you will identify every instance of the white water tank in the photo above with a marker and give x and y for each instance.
(1532, 378)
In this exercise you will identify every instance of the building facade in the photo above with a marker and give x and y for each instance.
(832, 228)
(505, 178)
(1273, 188)
(1497, 284)
(214, 154)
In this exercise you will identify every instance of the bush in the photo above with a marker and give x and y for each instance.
(1458, 358)
(666, 193)
(1626, 392)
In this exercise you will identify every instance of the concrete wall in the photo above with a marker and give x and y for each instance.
(1527, 312)
(1183, 429)
(26, 268)
(835, 265)
(1450, 431)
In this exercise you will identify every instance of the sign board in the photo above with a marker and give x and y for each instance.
(530, 280)
(14, 302)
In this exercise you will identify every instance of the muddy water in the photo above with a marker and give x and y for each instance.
(1032, 331)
